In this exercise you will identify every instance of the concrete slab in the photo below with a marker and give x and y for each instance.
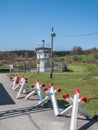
(21, 115)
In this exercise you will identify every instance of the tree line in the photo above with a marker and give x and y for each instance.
(76, 50)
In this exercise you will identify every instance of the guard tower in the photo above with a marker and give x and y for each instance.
(43, 54)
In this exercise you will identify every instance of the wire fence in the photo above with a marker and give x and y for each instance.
(57, 67)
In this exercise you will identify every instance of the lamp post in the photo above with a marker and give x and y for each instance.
(52, 65)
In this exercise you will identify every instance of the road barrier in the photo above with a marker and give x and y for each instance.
(19, 84)
(81, 102)
(53, 99)
(37, 90)
(23, 87)
(15, 81)
(73, 124)
(48, 97)
(75, 104)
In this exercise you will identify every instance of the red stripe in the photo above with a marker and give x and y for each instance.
(58, 90)
(50, 85)
(42, 85)
(65, 96)
(84, 99)
(77, 91)
(32, 86)
(37, 81)
(45, 89)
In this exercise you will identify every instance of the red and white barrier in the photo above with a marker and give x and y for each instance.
(53, 99)
(33, 92)
(37, 90)
(81, 102)
(19, 83)
(23, 87)
(73, 124)
(84, 100)
(15, 81)
(48, 97)
(75, 106)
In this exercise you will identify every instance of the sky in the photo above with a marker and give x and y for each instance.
(25, 23)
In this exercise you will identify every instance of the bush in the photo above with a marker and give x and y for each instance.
(76, 58)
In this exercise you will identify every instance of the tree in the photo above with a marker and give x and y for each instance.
(77, 50)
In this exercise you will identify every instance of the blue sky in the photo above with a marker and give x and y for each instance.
(25, 23)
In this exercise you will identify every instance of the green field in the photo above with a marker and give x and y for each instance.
(81, 58)
(82, 76)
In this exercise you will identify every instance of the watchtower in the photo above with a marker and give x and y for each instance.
(42, 54)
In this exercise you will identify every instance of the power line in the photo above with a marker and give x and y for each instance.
(81, 35)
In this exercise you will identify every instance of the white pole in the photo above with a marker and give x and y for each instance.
(73, 125)
(22, 87)
(48, 97)
(39, 92)
(84, 100)
(19, 84)
(53, 99)
(15, 81)
(81, 102)
(68, 98)
(31, 94)
(67, 110)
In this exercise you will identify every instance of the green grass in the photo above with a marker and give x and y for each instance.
(83, 77)
(87, 57)
(4, 67)
(79, 57)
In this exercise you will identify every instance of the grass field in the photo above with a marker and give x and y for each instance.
(83, 77)
(78, 57)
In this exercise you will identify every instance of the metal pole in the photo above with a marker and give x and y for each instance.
(43, 43)
(52, 36)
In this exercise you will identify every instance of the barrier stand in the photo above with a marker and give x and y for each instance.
(19, 84)
(46, 90)
(84, 100)
(15, 81)
(73, 124)
(33, 92)
(70, 101)
(23, 87)
(81, 102)
(48, 97)
(37, 90)
(53, 99)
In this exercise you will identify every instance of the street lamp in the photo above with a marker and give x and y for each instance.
(52, 64)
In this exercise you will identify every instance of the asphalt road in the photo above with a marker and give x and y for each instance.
(19, 114)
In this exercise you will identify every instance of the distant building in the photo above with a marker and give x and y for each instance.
(43, 54)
